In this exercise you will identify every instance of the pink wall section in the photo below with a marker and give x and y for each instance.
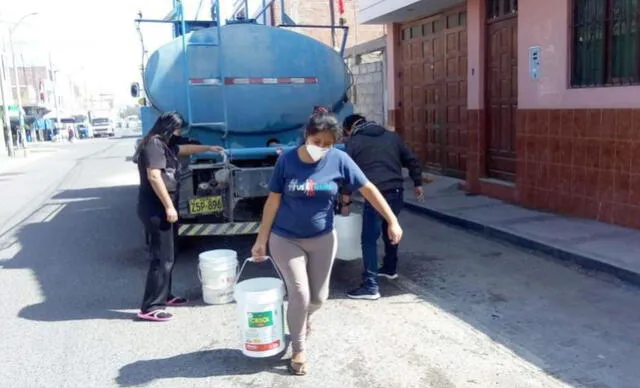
(545, 23)
(475, 53)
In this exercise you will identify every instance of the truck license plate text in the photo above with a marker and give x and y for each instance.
(206, 205)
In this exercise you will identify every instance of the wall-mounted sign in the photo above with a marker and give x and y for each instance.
(534, 62)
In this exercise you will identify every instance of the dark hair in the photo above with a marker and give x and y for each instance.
(348, 123)
(323, 121)
(163, 129)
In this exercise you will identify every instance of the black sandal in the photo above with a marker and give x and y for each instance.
(297, 368)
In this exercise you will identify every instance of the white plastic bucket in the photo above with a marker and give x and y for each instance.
(260, 314)
(217, 271)
(348, 230)
(217, 295)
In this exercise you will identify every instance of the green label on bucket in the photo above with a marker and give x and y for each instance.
(263, 319)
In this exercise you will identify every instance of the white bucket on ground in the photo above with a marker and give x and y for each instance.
(217, 295)
(217, 271)
(260, 313)
(348, 230)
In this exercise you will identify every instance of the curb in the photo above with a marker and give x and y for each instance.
(563, 254)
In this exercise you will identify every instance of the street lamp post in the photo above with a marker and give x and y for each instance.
(12, 30)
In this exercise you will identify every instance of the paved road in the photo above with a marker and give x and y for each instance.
(467, 312)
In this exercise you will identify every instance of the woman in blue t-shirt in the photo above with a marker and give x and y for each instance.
(297, 221)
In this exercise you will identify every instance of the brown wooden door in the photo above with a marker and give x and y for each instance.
(454, 144)
(501, 94)
(417, 97)
(433, 96)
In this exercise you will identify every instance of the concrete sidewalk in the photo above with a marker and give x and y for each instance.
(593, 245)
(34, 153)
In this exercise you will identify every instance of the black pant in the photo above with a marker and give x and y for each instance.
(162, 236)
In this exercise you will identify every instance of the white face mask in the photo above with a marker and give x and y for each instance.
(316, 152)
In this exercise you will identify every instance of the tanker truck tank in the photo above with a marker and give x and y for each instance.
(262, 81)
(249, 88)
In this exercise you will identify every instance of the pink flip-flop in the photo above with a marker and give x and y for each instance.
(155, 316)
(177, 301)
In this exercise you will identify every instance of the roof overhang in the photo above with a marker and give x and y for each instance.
(397, 11)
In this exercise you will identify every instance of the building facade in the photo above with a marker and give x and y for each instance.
(536, 102)
(313, 12)
(40, 86)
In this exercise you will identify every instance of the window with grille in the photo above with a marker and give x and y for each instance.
(499, 9)
(606, 43)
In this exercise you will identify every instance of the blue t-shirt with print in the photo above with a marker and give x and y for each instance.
(309, 192)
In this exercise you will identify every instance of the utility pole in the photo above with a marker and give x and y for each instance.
(16, 79)
(54, 81)
(23, 135)
(332, 9)
(5, 108)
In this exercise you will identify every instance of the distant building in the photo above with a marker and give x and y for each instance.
(312, 12)
(36, 86)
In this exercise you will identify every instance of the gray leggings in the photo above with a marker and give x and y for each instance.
(305, 264)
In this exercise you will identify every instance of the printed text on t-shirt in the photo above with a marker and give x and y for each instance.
(309, 187)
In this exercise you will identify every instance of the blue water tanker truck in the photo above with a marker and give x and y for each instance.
(245, 86)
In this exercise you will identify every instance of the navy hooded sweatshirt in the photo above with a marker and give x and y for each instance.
(381, 154)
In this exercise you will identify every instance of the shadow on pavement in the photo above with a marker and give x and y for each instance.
(201, 364)
(86, 249)
(571, 324)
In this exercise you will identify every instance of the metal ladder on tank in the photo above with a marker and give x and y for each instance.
(223, 125)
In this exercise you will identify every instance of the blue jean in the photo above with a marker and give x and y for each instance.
(373, 224)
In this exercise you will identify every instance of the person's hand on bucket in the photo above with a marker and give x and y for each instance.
(395, 233)
(259, 252)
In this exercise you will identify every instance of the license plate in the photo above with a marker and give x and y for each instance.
(206, 205)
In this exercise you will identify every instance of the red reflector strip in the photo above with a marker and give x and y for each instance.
(254, 81)
(205, 81)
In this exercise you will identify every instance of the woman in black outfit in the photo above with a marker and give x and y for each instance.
(158, 165)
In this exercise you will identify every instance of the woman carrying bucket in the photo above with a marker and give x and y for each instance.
(297, 222)
(157, 159)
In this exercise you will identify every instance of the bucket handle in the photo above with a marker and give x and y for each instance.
(252, 260)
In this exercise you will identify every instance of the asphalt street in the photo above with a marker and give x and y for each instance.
(465, 312)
